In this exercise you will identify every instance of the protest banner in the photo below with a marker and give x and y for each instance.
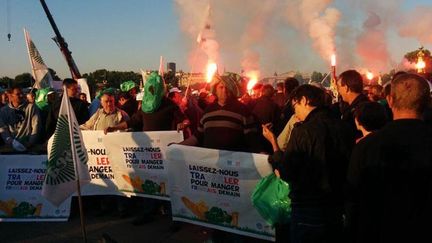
(21, 179)
(212, 188)
(99, 166)
(139, 163)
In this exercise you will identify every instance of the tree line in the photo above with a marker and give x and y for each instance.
(105, 78)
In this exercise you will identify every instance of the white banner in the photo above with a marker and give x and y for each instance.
(100, 167)
(21, 179)
(140, 165)
(212, 188)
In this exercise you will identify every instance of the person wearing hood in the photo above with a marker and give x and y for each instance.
(226, 123)
(157, 113)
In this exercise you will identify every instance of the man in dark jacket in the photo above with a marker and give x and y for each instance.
(390, 172)
(79, 107)
(290, 84)
(266, 111)
(127, 98)
(314, 164)
(350, 88)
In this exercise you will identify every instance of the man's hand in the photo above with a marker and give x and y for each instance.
(267, 133)
(109, 129)
(18, 146)
(182, 125)
(277, 173)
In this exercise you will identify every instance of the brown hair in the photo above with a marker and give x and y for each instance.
(410, 92)
(353, 80)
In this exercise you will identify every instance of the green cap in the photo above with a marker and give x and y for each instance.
(111, 91)
(41, 98)
(128, 85)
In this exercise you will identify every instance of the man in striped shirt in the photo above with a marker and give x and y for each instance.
(227, 124)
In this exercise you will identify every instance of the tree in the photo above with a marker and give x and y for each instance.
(54, 74)
(427, 58)
(316, 77)
(115, 78)
(412, 56)
(24, 80)
(385, 78)
(104, 78)
(299, 77)
(5, 82)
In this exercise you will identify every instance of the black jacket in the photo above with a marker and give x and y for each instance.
(266, 111)
(347, 112)
(130, 107)
(316, 160)
(79, 107)
(390, 184)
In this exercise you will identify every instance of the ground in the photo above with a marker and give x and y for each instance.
(117, 228)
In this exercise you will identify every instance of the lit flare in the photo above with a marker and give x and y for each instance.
(369, 75)
(253, 79)
(420, 64)
(211, 70)
(333, 60)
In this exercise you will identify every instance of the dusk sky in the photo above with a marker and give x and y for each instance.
(132, 34)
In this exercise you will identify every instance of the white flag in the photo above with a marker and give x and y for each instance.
(144, 79)
(40, 71)
(67, 157)
(161, 66)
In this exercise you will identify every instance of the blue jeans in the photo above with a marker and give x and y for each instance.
(313, 225)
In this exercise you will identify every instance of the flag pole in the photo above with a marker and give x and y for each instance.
(76, 169)
(191, 72)
(161, 73)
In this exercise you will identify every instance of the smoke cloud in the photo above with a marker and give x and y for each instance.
(254, 33)
(372, 45)
(299, 35)
(318, 20)
(417, 24)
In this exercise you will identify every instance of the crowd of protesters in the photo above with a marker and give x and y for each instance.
(359, 163)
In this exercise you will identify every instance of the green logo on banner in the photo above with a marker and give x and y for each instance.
(60, 163)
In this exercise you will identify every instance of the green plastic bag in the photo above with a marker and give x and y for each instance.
(270, 198)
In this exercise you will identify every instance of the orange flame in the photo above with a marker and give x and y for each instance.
(333, 60)
(420, 65)
(253, 79)
(211, 70)
(369, 75)
(251, 83)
